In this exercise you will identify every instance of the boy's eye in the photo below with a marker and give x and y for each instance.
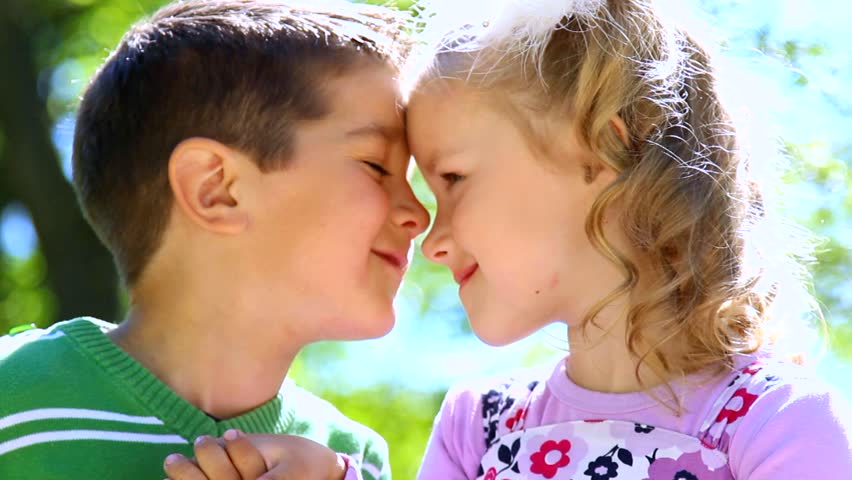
(378, 168)
(452, 178)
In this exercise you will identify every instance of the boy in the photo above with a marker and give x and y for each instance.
(245, 163)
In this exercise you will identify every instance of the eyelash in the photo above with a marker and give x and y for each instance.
(378, 168)
(452, 178)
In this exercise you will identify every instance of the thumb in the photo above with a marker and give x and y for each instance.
(289, 471)
(279, 472)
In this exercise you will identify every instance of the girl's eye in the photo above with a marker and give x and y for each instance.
(452, 178)
(378, 168)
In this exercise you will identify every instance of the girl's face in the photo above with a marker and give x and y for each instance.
(510, 224)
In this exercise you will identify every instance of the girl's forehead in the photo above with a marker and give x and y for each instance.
(432, 86)
(451, 98)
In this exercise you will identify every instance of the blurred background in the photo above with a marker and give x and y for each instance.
(797, 54)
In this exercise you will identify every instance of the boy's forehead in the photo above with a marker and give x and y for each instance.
(368, 101)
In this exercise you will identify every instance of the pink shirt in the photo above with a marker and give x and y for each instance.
(796, 429)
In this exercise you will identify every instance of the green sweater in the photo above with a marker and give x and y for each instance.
(74, 405)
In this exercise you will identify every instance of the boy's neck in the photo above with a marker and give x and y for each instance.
(208, 353)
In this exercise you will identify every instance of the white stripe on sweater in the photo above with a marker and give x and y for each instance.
(69, 435)
(371, 469)
(367, 467)
(80, 413)
(10, 343)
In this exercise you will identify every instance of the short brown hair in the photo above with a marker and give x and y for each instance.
(241, 72)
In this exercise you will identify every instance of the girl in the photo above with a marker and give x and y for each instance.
(587, 172)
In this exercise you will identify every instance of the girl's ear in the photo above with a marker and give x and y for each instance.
(594, 168)
(598, 172)
(591, 171)
(620, 129)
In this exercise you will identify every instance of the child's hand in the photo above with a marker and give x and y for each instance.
(232, 458)
(289, 457)
(245, 457)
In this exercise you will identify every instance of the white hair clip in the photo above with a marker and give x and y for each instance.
(516, 24)
(515, 27)
(529, 23)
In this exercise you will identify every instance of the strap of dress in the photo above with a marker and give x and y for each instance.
(504, 408)
(733, 404)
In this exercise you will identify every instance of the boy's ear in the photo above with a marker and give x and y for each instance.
(202, 173)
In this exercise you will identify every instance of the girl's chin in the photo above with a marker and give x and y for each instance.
(496, 338)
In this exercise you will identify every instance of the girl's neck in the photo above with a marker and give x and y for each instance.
(600, 369)
(602, 361)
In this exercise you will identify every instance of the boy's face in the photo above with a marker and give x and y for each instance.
(331, 232)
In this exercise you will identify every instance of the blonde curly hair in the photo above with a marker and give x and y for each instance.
(695, 213)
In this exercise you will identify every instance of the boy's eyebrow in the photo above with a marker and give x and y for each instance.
(390, 134)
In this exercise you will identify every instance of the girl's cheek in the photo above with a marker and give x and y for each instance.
(462, 221)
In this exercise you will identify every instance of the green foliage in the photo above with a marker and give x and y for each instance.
(402, 416)
(24, 298)
(823, 172)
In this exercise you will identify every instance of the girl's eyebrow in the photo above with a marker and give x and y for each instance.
(428, 166)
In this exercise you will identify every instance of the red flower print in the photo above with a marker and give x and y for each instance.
(732, 414)
(707, 444)
(491, 474)
(753, 368)
(551, 457)
(516, 419)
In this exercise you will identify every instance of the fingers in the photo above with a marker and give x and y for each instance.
(178, 467)
(280, 472)
(214, 460)
(296, 458)
(290, 471)
(245, 457)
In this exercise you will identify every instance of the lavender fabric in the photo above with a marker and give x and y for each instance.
(773, 421)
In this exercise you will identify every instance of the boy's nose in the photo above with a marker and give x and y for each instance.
(411, 216)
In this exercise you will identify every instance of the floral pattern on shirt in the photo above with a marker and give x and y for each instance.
(497, 402)
(590, 451)
(688, 466)
(599, 449)
(559, 451)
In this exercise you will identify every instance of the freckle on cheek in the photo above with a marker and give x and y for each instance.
(554, 281)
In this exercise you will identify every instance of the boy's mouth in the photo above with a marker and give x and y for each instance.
(463, 275)
(399, 260)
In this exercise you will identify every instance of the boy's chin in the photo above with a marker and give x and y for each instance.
(368, 326)
(381, 326)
